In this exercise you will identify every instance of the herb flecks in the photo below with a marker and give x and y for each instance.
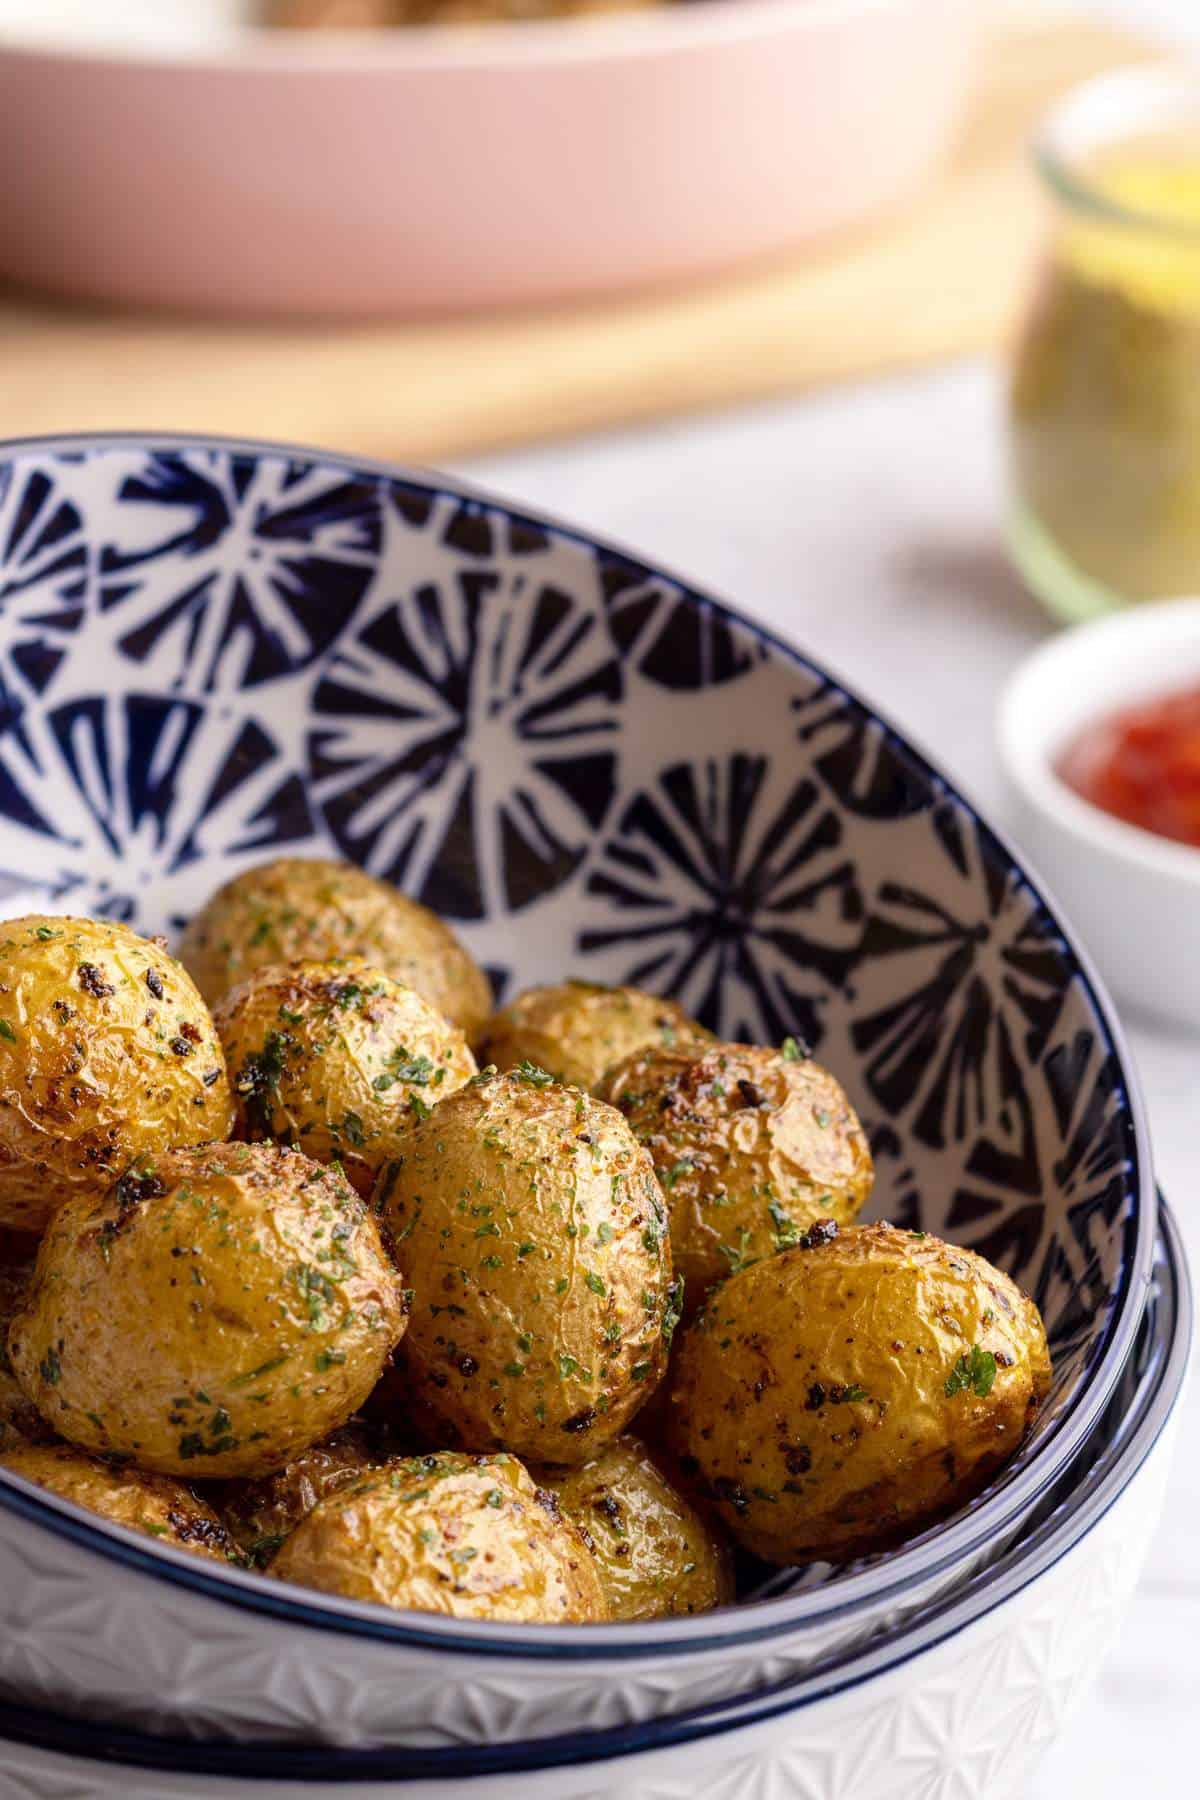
(974, 1372)
(257, 1083)
(533, 1074)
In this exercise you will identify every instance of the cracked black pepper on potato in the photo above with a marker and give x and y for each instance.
(107, 1055)
(751, 1146)
(214, 1313)
(579, 1029)
(833, 1399)
(464, 1535)
(306, 909)
(656, 1555)
(157, 1505)
(533, 1233)
(336, 1058)
(262, 1511)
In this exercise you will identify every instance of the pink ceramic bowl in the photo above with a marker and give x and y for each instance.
(410, 171)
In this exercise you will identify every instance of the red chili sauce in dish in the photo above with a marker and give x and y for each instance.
(1142, 764)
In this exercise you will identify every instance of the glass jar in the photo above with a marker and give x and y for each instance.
(1105, 400)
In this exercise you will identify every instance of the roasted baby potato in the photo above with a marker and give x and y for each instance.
(578, 1030)
(469, 1536)
(836, 1398)
(655, 1555)
(107, 1055)
(262, 1511)
(298, 909)
(331, 1056)
(20, 1422)
(164, 1509)
(214, 1314)
(751, 1146)
(533, 1234)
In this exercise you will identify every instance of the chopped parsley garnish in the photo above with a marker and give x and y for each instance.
(418, 1071)
(672, 1309)
(534, 1075)
(258, 1080)
(785, 1229)
(353, 1131)
(975, 1371)
(316, 1290)
(250, 1375)
(738, 1258)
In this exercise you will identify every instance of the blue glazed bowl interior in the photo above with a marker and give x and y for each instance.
(213, 653)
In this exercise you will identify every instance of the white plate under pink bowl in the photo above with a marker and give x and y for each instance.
(367, 174)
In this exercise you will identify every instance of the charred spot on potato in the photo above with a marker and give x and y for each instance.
(92, 981)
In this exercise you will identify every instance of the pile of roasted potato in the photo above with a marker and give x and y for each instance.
(297, 1284)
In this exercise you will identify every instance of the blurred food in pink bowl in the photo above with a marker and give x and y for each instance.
(343, 15)
(243, 169)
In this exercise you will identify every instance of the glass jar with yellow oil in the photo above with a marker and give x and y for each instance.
(1105, 403)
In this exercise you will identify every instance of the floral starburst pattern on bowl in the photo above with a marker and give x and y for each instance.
(212, 653)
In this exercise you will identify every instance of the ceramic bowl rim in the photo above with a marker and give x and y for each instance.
(1027, 736)
(949, 1617)
(941, 1548)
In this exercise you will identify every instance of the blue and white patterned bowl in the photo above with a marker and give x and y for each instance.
(212, 652)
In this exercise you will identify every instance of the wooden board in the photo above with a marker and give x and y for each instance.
(944, 280)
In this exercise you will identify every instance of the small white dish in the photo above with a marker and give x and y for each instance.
(1134, 896)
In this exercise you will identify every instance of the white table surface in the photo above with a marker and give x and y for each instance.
(866, 524)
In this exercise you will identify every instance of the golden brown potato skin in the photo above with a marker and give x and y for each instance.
(107, 1055)
(214, 1316)
(655, 1556)
(533, 1234)
(300, 909)
(751, 1146)
(262, 1511)
(162, 1508)
(578, 1030)
(20, 1423)
(834, 1400)
(468, 1536)
(335, 1057)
